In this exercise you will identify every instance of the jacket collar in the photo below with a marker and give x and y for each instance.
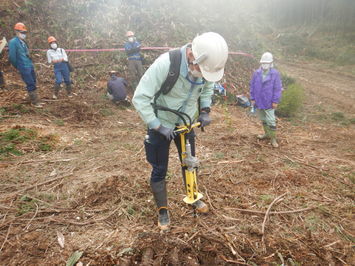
(268, 76)
(23, 42)
(184, 67)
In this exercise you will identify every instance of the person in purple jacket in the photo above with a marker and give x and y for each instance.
(265, 94)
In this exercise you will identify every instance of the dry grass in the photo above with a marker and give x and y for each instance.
(94, 189)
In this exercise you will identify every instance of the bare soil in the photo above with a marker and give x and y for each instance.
(325, 85)
(93, 187)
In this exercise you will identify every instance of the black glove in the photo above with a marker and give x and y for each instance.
(168, 133)
(204, 119)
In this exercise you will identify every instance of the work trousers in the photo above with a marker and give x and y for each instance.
(267, 117)
(61, 71)
(28, 75)
(136, 71)
(157, 152)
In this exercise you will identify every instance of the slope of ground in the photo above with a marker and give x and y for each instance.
(92, 189)
(325, 86)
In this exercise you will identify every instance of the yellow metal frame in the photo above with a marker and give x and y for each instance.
(192, 194)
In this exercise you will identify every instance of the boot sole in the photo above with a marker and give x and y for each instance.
(164, 228)
(204, 209)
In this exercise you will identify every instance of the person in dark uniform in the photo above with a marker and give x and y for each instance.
(117, 89)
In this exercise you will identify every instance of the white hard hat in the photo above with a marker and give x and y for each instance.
(266, 58)
(211, 52)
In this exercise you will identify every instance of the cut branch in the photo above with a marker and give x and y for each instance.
(278, 199)
(271, 213)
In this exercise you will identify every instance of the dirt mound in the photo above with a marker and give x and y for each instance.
(34, 244)
(108, 191)
(177, 249)
(75, 111)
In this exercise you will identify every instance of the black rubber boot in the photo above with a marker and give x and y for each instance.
(272, 134)
(163, 219)
(34, 99)
(56, 91)
(161, 200)
(69, 90)
(2, 81)
(266, 132)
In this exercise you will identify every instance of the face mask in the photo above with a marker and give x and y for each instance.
(196, 74)
(265, 66)
(131, 39)
(54, 46)
(22, 36)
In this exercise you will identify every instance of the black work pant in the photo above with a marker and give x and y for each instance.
(157, 152)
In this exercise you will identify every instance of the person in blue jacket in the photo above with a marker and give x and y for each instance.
(20, 58)
(265, 94)
(135, 66)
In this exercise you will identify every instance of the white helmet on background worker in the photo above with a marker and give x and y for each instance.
(267, 58)
(211, 53)
(266, 61)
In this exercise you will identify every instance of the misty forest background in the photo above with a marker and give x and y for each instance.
(322, 29)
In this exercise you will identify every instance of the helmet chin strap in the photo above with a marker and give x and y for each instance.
(195, 82)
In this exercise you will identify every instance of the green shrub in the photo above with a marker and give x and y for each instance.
(346, 57)
(13, 142)
(287, 80)
(59, 122)
(45, 147)
(341, 118)
(27, 204)
(291, 101)
(9, 149)
(338, 116)
(9, 140)
(2, 111)
(17, 135)
(106, 112)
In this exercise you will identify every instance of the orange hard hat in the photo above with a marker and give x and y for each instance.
(129, 33)
(51, 39)
(20, 27)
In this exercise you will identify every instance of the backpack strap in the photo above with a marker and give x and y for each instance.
(173, 75)
(174, 71)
